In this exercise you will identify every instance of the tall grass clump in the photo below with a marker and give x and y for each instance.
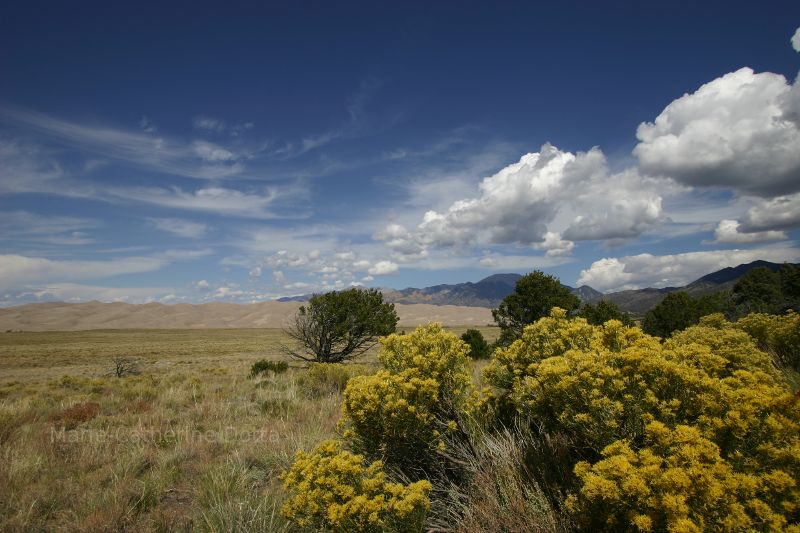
(236, 497)
(321, 379)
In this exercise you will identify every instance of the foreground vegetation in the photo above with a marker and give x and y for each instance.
(580, 427)
(190, 443)
(574, 426)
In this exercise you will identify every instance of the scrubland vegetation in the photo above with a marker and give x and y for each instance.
(577, 427)
(190, 443)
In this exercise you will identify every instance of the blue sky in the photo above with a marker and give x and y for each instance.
(242, 152)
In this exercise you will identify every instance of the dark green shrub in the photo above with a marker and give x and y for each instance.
(534, 296)
(599, 314)
(263, 366)
(679, 310)
(478, 347)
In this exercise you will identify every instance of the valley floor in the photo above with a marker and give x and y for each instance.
(190, 443)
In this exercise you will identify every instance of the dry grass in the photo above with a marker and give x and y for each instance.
(191, 443)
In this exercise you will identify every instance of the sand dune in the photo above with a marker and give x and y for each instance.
(59, 316)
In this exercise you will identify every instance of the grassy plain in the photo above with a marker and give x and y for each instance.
(191, 443)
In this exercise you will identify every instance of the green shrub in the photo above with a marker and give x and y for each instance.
(339, 325)
(534, 295)
(478, 347)
(263, 366)
(599, 314)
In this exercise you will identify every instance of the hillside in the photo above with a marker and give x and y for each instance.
(638, 302)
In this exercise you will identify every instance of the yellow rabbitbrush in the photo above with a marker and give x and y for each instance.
(626, 432)
(699, 433)
(402, 413)
(399, 415)
(335, 491)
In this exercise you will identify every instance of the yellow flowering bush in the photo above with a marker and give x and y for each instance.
(403, 413)
(615, 394)
(392, 415)
(779, 334)
(431, 353)
(679, 482)
(334, 490)
(731, 348)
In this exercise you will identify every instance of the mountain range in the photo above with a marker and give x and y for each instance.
(464, 304)
(489, 292)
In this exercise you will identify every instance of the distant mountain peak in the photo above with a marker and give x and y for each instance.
(733, 273)
(504, 279)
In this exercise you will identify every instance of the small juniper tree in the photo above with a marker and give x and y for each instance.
(599, 314)
(337, 326)
(478, 347)
(534, 296)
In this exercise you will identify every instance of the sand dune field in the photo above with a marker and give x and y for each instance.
(59, 316)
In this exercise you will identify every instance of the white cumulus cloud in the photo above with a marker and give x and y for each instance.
(728, 232)
(518, 205)
(555, 245)
(382, 268)
(738, 131)
(782, 212)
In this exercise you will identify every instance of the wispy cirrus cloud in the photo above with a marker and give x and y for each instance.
(180, 227)
(354, 125)
(215, 125)
(16, 270)
(200, 159)
(30, 168)
(77, 292)
(275, 202)
(25, 168)
(46, 229)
